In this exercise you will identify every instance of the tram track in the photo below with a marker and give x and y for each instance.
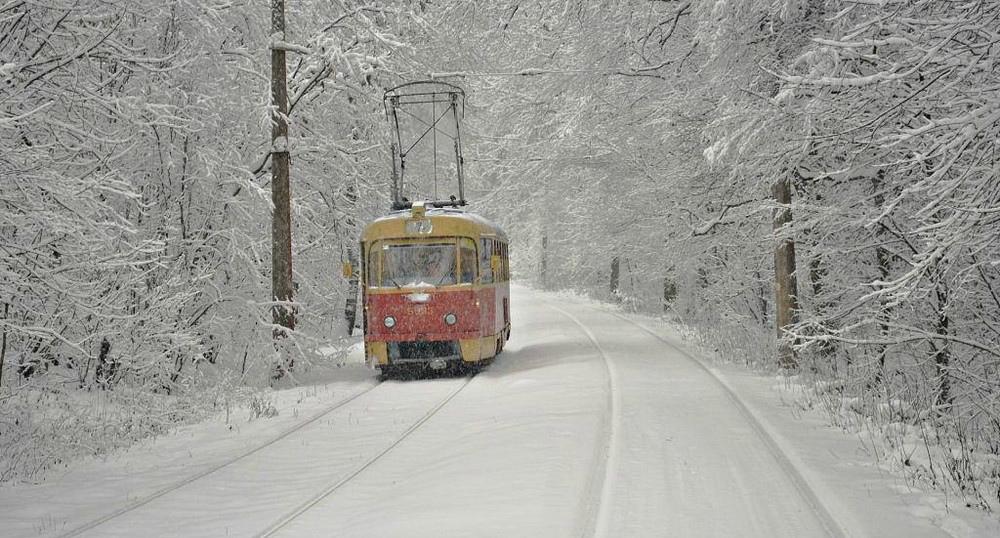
(820, 511)
(598, 519)
(595, 427)
(139, 503)
(601, 485)
(305, 506)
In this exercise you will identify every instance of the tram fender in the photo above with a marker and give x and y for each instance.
(376, 353)
(471, 349)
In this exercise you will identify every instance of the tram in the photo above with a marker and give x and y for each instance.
(435, 288)
(434, 278)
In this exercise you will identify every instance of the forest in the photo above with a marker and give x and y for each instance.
(808, 186)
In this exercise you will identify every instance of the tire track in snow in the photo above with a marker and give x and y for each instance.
(179, 484)
(823, 515)
(596, 523)
(326, 492)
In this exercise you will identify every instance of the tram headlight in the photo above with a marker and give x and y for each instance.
(450, 318)
(389, 322)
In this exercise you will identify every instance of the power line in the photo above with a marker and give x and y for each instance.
(534, 71)
(583, 160)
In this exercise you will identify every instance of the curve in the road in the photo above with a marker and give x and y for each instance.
(597, 521)
(326, 492)
(188, 480)
(822, 514)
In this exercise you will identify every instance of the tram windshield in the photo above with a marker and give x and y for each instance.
(416, 265)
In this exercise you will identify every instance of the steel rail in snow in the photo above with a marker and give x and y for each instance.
(326, 492)
(597, 521)
(217, 467)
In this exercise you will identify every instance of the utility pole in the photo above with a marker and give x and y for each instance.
(615, 271)
(282, 314)
(785, 285)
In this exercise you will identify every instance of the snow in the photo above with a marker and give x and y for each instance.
(588, 424)
(278, 44)
(280, 144)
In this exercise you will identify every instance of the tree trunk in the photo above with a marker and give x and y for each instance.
(545, 248)
(942, 355)
(3, 342)
(762, 299)
(282, 314)
(281, 228)
(822, 307)
(351, 304)
(669, 293)
(785, 285)
(106, 367)
(883, 261)
(615, 270)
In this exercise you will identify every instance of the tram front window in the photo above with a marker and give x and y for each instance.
(418, 265)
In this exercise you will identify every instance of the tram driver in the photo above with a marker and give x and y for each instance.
(441, 266)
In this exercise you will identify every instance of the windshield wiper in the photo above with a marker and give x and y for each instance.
(446, 275)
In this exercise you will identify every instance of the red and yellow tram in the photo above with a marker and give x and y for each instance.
(436, 290)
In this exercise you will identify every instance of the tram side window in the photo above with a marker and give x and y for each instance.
(373, 264)
(500, 277)
(484, 260)
(467, 254)
(506, 261)
(495, 246)
(503, 262)
(499, 252)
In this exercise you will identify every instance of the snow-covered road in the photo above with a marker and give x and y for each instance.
(590, 424)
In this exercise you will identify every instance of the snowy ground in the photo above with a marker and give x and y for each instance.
(590, 424)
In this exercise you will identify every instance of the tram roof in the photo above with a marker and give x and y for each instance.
(446, 221)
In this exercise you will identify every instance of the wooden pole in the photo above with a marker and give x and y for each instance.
(282, 314)
(785, 285)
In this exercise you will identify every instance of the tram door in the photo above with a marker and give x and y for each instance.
(487, 295)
